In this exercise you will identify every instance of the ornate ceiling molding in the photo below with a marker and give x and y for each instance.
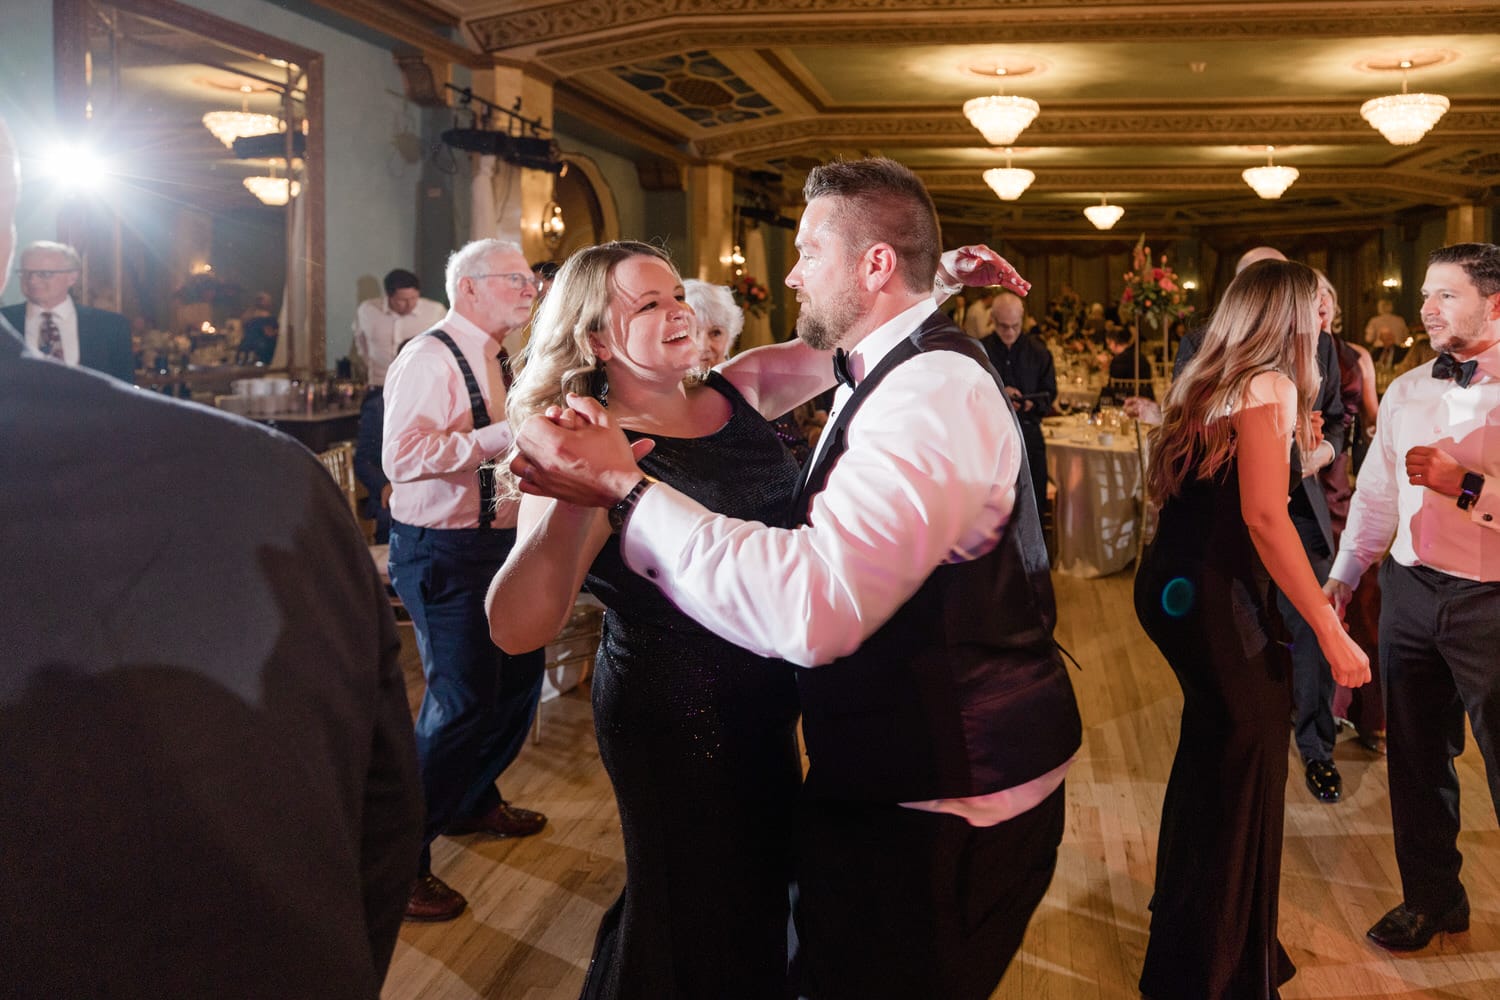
(574, 36)
(1428, 186)
(1332, 123)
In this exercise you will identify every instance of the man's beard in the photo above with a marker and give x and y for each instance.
(822, 329)
(1461, 335)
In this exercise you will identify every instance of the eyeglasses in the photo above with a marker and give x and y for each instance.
(45, 275)
(517, 281)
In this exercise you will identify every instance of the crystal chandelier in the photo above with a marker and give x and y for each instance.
(228, 126)
(273, 191)
(1270, 181)
(1008, 182)
(1404, 118)
(1000, 118)
(1104, 215)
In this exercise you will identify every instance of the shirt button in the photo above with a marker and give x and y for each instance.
(651, 573)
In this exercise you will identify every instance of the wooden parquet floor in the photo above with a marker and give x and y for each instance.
(534, 903)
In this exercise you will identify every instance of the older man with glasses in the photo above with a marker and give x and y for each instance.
(450, 533)
(56, 327)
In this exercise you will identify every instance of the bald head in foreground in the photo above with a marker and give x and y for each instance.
(207, 768)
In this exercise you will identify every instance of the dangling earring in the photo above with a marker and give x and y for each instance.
(599, 385)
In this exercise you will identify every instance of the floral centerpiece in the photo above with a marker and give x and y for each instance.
(1152, 291)
(750, 295)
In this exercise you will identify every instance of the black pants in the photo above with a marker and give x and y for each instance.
(894, 902)
(1439, 637)
(1312, 679)
(479, 701)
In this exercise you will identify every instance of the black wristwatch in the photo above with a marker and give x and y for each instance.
(1469, 491)
(620, 512)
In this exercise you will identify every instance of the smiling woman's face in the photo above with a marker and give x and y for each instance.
(650, 326)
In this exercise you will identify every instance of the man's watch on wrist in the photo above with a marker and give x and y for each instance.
(1469, 492)
(620, 512)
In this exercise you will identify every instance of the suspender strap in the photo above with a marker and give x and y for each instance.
(481, 417)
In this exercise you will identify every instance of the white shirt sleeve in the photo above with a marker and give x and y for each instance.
(424, 401)
(928, 477)
(1373, 510)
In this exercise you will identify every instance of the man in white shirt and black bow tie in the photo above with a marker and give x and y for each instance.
(1430, 490)
(910, 579)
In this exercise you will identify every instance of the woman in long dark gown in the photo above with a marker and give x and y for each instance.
(1221, 464)
(697, 734)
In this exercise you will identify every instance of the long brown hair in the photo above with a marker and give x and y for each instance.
(1268, 320)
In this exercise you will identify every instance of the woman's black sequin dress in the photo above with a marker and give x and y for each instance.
(698, 736)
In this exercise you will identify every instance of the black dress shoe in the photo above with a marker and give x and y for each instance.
(1323, 781)
(1405, 929)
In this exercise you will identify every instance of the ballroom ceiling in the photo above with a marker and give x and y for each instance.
(1158, 106)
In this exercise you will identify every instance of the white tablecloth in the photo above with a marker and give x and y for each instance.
(1097, 509)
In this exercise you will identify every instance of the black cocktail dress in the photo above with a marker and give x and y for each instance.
(1202, 596)
(699, 739)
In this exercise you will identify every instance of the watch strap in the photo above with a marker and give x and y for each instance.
(1469, 492)
(620, 512)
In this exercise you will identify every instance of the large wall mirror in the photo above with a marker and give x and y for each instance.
(208, 232)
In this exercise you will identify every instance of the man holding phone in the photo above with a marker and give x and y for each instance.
(1025, 366)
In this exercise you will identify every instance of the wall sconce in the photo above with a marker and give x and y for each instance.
(737, 260)
(1190, 285)
(553, 226)
(1391, 283)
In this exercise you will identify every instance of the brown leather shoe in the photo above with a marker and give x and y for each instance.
(432, 900)
(505, 820)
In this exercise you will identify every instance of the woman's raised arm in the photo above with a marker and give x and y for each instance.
(532, 595)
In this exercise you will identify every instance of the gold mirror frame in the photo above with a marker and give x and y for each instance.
(71, 48)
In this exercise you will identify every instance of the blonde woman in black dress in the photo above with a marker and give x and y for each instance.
(1221, 465)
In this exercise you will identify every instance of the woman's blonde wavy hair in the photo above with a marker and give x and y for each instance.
(559, 358)
(1268, 320)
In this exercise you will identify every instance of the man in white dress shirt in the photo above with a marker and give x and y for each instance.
(381, 327)
(444, 420)
(1422, 492)
(913, 578)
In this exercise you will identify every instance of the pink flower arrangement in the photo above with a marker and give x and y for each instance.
(1152, 291)
(751, 295)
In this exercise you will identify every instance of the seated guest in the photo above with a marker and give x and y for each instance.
(258, 340)
(55, 327)
(1129, 369)
(208, 772)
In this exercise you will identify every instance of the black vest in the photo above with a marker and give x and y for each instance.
(962, 692)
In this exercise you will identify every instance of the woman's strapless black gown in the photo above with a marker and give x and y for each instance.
(699, 739)
(1202, 596)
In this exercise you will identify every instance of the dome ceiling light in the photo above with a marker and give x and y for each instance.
(1008, 182)
(1270, 181)
(1104, 215)
(1404, 118)
(1001, 118)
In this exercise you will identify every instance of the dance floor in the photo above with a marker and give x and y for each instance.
(534, 903)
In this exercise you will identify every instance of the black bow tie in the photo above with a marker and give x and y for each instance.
(841, 373)
(1461, 372)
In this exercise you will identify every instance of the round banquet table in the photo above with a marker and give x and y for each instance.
(1097, 509)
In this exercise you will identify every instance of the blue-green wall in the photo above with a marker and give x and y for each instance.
(373, 150)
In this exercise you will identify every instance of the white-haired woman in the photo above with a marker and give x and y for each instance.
(1221, 462)
(719, 321)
